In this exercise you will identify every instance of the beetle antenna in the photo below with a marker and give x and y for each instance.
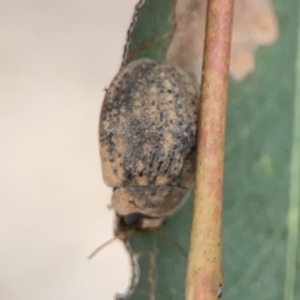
(98, 249)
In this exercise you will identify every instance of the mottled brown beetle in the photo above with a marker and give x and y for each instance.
(147, 135)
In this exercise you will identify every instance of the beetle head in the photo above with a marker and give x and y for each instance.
(145, 207)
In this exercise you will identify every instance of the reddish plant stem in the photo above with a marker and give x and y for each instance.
(204, 272)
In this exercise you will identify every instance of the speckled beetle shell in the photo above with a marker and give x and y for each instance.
(147, 138)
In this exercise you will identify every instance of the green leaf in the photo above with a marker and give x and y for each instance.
(152, 33)
(258, 180)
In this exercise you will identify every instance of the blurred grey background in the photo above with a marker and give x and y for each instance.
(56, 57)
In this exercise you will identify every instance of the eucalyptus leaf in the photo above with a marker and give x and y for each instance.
(259, 138)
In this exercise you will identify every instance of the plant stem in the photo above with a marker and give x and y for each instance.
(293, 217)
(204, 272)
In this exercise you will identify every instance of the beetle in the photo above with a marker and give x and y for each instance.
(147, 138)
